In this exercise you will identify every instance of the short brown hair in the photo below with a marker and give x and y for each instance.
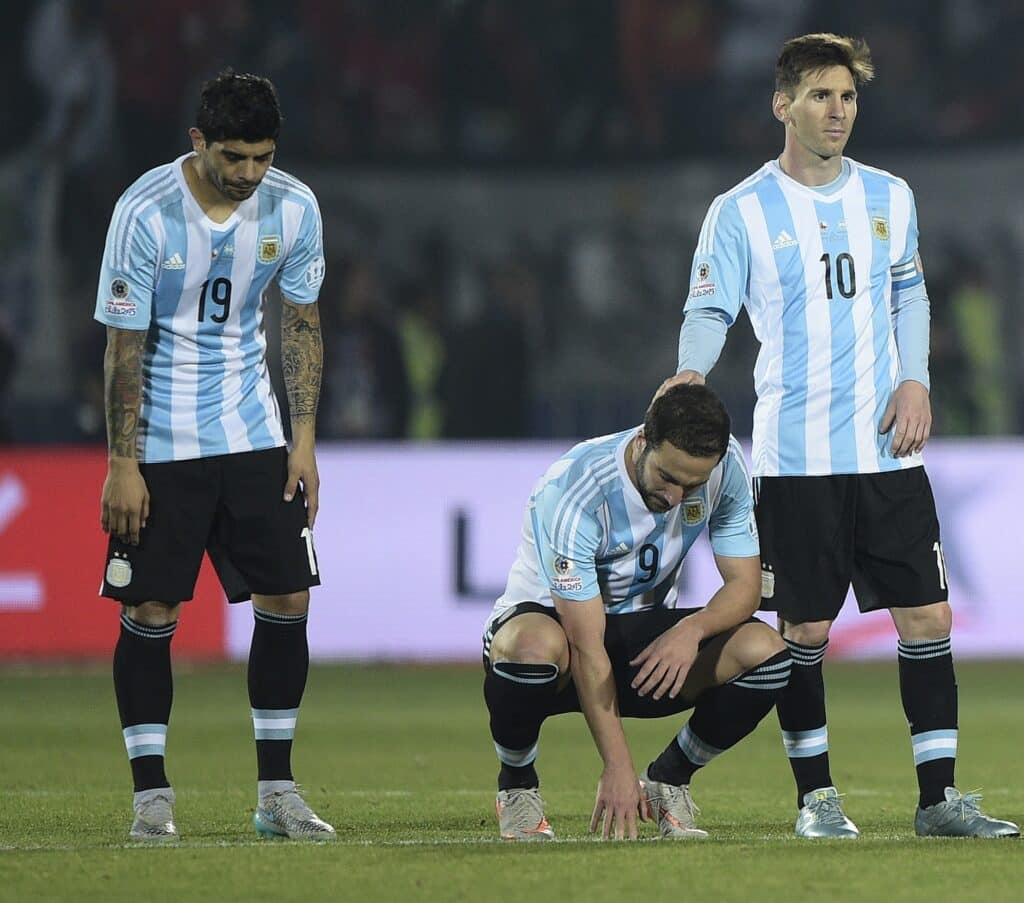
(814, 52)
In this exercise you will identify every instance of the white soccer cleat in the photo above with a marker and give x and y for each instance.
(154, 817)
(521, 815)
(674, 808)
(285, 814)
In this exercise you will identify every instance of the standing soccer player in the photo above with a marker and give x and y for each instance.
(823, 252)
(197, 455)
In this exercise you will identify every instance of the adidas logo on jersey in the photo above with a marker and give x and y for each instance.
(174, 262)
(783, 240)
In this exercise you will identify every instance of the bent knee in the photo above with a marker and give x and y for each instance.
(757, 643)
(535, 640)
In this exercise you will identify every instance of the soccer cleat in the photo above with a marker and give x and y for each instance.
(674, 808)
(285, 814)
(154, 817)
(521, 815)
(960, 816)
(822, 816)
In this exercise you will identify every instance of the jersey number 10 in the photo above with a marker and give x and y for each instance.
(846, 275)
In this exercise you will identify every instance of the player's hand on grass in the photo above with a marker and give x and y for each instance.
(619, 803)
(909, 416)
(665, 663)
(302, 468)
(683, 378)
(125, 501)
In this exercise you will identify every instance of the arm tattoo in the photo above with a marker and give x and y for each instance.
(302, 357)
(122, 385)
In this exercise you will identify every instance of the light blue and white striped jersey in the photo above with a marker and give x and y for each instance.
(587, 531)
(197, 286)
(822, 272)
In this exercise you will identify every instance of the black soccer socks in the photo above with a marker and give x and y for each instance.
(802, 719)
(722, 717)
(929, 694)
(278, 667)
(144, 690)
(518, 697)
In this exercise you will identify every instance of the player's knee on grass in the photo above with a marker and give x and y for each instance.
(926, 622)
(287, 604)
(153, 614)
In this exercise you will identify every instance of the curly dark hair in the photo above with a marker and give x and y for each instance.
(238, 107)
(692, 418)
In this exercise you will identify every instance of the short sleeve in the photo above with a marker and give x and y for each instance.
(303, 270)
(567, 533)
(128, 273)
(732, 525)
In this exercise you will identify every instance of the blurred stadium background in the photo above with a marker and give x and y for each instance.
(511, 194)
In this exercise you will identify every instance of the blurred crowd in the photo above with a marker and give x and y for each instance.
(501, 81)
(434, 341)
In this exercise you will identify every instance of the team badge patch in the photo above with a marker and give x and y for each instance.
(880, 226)
(119, 572)
(703, 271)
(119, 288)
(563, 565)
(269, 249)
(693, 512)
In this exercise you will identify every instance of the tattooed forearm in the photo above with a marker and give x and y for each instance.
(302, 357)
(122, 388)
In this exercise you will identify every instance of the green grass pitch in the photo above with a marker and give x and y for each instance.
(400, 760)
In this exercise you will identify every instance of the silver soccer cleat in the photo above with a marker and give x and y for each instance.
(285, 814)
(822, 817)
(521, 815)
(154, 817)
(674, 808)
(960, 816)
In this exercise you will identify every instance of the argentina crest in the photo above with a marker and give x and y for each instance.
(269, 248)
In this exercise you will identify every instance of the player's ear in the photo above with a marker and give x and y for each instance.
(780, 106)
(198, 141)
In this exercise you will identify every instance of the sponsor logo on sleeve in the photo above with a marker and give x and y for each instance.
(119, 288)
(315, 273)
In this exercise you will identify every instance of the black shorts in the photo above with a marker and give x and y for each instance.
(876, 531)
(625, 637)
(230, 506)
